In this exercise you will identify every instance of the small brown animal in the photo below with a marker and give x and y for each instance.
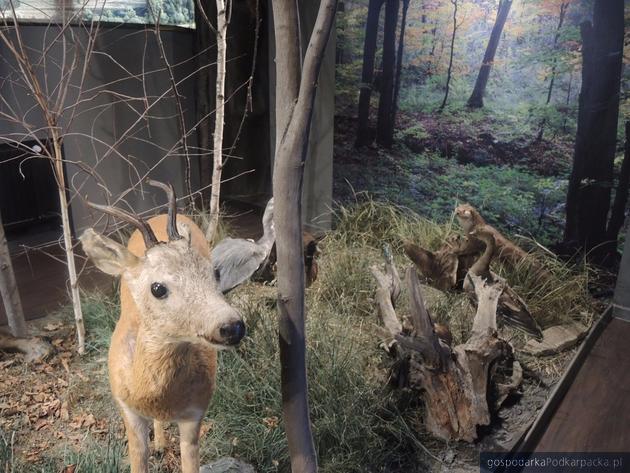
(505, 251)
(163, 353)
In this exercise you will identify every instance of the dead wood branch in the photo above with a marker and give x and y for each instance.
(9, 289)
(456, 384)
(34, 349)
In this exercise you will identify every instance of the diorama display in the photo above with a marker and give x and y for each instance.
(290, 236)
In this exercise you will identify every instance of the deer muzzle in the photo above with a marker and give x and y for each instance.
(230, 334)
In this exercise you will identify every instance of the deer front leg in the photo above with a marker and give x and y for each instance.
(137, 428)
(189, 445)
(160, 441)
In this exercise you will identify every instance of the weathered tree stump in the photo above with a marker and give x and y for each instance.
(459, 385)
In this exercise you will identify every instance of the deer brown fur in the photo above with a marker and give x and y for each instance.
(162, 357)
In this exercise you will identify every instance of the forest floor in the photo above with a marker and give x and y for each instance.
(59, 416)
(440, 160)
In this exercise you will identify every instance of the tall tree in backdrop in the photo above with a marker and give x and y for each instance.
(449, 71)
(554, 64)
(589, 193)
(399, 60)
(367, 72)
(476, 98)
(385, 122)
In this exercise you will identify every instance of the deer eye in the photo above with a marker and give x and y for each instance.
(217, 275)
(159, 290)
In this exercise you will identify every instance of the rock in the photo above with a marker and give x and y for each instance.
(227, 465)
(556, 339)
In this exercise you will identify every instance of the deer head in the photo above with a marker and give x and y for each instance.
(173, 285)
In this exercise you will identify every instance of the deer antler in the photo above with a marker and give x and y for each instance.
(147, 233)
(171, 226)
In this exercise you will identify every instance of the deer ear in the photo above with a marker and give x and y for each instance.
(106, 254)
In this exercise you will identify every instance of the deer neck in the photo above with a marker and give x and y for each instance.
(158, 362)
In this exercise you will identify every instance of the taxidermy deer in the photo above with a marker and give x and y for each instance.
(163, 353)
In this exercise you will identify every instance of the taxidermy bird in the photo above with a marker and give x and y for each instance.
(440, 268)
(236, 260)
(471, 221)
(447, 267)
(510, 307)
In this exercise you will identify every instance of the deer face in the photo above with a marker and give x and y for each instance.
(172, 284)
(174, 288)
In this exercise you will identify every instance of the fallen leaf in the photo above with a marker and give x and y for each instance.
(51, 327)
(41, 424)
(89, 421)
(64, 412)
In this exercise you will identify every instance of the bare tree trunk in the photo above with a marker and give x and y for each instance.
(202, 46)
(450, 60)
(9, 290)
(51, 113)
(588, 196)
(563, 11)
(385, 122)
(219, 113)
(618, 212)
(476, 98)
(367, 72)
(288, 62)
(67, 237)
(567, 102)
(399, 58)
(287, 189)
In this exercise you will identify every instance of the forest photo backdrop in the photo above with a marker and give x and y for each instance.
(410, 130)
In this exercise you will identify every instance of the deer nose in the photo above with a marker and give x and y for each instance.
(232, 333)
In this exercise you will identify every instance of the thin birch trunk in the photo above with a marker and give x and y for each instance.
(9, 290)
(219, 118)
(67, 239)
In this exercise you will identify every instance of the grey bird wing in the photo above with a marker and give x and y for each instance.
(235, 260)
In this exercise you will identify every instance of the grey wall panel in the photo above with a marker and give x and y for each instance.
(109, 116)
